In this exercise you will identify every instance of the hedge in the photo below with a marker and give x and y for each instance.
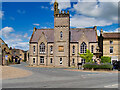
(96, 66)
(105, 59)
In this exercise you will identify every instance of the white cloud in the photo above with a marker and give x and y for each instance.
(6, 31)
(44, 7)
(43, 27)
(92, 13)
(1, 14)
(14, 39)
(21, 11)
(80, 21)
(117, 30)
(63, 4)
(36, 24)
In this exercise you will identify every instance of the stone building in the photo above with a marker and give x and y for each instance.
(17, 54)
(110, 45)
(60, 46)
(5, 53)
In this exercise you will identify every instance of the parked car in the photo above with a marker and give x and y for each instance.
(118, 65)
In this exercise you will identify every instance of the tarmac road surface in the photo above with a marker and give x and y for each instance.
(60, 78)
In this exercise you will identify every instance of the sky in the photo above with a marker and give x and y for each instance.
(19, 18)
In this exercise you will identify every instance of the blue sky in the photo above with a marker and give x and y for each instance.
(19, 18)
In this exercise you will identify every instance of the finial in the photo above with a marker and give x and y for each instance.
(101, 31)
(55, 0)
(68, 12)
(34, 29)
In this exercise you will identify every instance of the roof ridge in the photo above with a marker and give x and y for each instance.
(46, 29)
(80, 28)
(110, 32)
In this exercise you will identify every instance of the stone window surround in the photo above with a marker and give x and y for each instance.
(33, 60)
(33, 49)
(111, 41)
(83, 47)
(42, 48)
(60, 60)
(51, 49)
(73, 49)
(41, 59)
(51, 60)
(92, 49)
(111, 49)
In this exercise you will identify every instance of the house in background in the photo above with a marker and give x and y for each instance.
(26, 55)
(17, 54)
(110, 45)
(5, 53)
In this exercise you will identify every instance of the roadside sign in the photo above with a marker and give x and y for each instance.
(6, 57)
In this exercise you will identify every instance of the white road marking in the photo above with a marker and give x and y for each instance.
(114, 85)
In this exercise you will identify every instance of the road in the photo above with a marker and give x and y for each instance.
(60, 78)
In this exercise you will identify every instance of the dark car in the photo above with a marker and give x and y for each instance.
(18, 62)
(118, 65)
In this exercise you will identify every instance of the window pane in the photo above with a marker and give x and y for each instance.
(42, 48)
(83, 47)
(41, 59)
(61, 49)
(60, 60)
(33, 60)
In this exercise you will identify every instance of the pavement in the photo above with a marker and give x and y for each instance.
(61, 78)
(9, 72)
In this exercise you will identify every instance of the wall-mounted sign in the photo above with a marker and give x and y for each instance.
(6, 57)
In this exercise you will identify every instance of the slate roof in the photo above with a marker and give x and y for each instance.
(111, 35)
(76, 34)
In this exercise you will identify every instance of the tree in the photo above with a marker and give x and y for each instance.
(105, 59)
(87, 56)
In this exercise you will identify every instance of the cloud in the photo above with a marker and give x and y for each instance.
(81, 21)
(43, 27)
(44, 7)
(94, 13)
(6, 31)
(14, 39)
(63, 4)
(116, 30)
(21, 11)
(1, 14)
(36, 24)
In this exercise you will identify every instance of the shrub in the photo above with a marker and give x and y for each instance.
(96, 66)
(105, 59)
(87, 56)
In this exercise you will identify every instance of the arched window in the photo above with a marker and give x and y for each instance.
(42, 48)
(73, 49)
(92, 49)
(83, 47)
(61, 35)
